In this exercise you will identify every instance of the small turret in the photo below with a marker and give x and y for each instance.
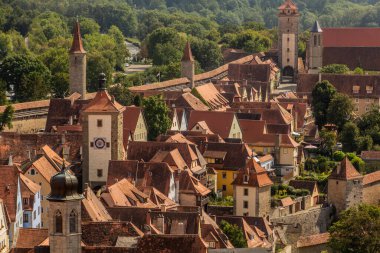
(187, 65)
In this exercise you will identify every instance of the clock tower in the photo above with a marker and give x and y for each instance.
(102, 136)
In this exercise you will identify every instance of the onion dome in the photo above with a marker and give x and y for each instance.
(64, 186)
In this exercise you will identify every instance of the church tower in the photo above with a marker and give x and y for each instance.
(64, 213)
(102, 135)
(288, 22)
(77, 65)
(187, 65)
(315, 49)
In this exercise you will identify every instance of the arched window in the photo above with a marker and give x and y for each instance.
(319, 40)
(315, 40)
(73, 222)
(58, 222)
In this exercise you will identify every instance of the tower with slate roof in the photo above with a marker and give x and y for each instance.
(315, 49)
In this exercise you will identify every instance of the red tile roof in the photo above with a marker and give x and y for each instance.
(77, 46)
(257, 176)
(30, 185)
(103, 102)
(288, 4)
(187, 55)
(370, 155)
(8, 189)
(92, 208)
(219, 122)
(371, 178)
(212, 97)
(189, 184)
(286, 201)
(189, 100)
(345, 171)
(28, 238)
(312, 240)
(351, 37)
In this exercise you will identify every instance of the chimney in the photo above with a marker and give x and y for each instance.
(319, 77)
(29, 155)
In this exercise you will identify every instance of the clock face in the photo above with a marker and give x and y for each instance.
(100, 143)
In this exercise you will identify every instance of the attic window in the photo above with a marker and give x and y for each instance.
(211, 245)
(246, 179)
(32, 172)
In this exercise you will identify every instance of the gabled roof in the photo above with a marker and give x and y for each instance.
(212, 97)
(188, 100)
(29, 185)
(92, 207)
(44, 167)
(178, 138)
(158, 198)
(371, 178)
(219, 122)
(124, 193)
(189, 184)
(187, 54)
(345, 171)
(257, 176)
(103, 102)
(77, 46)
(131, 116)
(172, 158)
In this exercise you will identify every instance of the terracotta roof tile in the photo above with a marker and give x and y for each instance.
(9, 176)
(219, 122)
(345, 171)
(257, 176)
(103, 102)
(351, 37)
(28, 238)
(312, 240)
(370, 155)
(371, 178)
(94, 210)
(189, 100)
(77, 46)
(189, 183)
(211, 95)
(286, 202)
(30, 185)
(288, 4)
(304, 184)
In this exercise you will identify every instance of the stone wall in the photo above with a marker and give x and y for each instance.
(304, 223)
(371, 193)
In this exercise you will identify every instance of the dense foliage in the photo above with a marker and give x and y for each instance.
(234, 234)
(358, 230)
(156, 114)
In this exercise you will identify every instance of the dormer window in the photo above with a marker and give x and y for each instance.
(245, 179)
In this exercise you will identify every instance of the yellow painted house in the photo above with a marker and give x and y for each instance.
(226, 159)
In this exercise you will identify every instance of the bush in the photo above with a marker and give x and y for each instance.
(338, 156)
(335, 69)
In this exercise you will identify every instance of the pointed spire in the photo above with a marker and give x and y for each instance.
(316, 27)
(187, 54)
(77, 46)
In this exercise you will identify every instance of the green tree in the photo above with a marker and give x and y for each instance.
(28, 75)
(358, 230)
(96, 64)
(156, 114)
(60, 85)
(348, 137)
(358, 71)
(121, 49)
(369, 124)
(338, 156)
(121, 94)
(335, 69)
(234, 234)
(322, 94)
(207, 53)
(88, 26)
(358, 163)
(328, 141)
(339, 110)
(364, 143)
(6, 118)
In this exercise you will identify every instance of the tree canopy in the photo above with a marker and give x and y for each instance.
(322, 95)
(358, 230)
(234, 233)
